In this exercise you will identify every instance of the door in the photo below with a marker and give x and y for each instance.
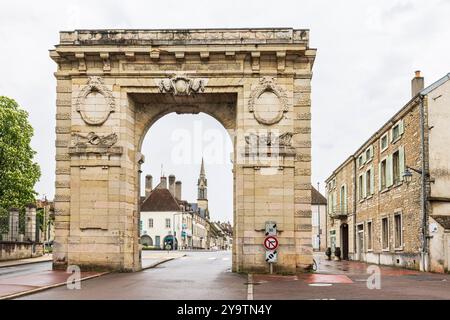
(344, 241)
(359, 242)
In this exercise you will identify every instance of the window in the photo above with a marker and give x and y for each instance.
(167, 223)
(361, 160)
(398, 230)
(361, 186)
(368, 182)
(396, 167)
(385, 233)
(384, 142)
(150, 223)
(343, 201)
(397, 131)
(368, 154)
(383, 174)
(369, 235)
(157, 241)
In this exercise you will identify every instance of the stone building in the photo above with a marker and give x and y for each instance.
(319, 220)
(389, 202)
(167, 221)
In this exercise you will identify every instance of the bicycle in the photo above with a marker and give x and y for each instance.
(314, 265)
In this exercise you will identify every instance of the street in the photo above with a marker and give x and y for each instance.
(23, 270)
(200, 275)
(205, 275)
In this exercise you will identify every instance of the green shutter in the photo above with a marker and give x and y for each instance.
(401, 160)
(372, 182)
(389, 171)
(345, 198)
(364, 193)
(379, 176)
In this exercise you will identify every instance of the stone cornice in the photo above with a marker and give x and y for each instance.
(184, 36)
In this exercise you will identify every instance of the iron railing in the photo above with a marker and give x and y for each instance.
(338, 212)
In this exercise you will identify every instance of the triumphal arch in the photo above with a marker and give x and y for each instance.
(112, 85)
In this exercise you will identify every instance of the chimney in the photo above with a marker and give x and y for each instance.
(148, 184)
(178, 190)
(172, 184)
(417, 84)
(163, 183)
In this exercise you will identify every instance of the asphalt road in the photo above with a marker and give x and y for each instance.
(25, 269)
(198, 276)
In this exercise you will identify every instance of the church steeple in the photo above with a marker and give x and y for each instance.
(202, 184)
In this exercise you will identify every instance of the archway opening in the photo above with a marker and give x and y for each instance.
(186, 187)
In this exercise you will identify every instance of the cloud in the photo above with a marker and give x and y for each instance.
(367, 53)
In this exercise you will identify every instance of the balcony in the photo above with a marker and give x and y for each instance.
(338, 212)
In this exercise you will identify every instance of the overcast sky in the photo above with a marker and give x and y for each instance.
(367, 54)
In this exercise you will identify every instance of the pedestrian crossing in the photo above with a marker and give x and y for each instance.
(204, 258)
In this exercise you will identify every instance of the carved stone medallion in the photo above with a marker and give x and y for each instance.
(268, 102)
(95, 102)
(181, 85)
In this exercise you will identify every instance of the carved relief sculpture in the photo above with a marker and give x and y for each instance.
(94, 143)
(181, 85)
(268, 102)
(270, 143)
(101, 102)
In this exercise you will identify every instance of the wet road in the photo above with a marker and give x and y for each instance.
(199, 276)
(23, 270)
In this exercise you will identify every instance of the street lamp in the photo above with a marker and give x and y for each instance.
(407, 175)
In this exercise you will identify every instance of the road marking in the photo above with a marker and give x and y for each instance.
(212, 258)
(250, 287)
(225, 259)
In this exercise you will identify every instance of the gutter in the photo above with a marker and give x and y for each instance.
(423, 198)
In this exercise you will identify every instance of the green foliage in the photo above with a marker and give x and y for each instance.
(18, 172)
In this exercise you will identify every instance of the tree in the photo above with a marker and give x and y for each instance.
(18, 172)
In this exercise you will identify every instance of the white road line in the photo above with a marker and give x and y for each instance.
(212, 258)
(225, 259)
(250, 287)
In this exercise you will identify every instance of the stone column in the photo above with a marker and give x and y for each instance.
(13, 224)
(30, 223)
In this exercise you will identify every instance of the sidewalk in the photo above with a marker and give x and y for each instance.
(10, 263)
(352, 280)
(39, 280)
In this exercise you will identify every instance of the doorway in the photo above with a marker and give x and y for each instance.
(359, 241)
(344, 241)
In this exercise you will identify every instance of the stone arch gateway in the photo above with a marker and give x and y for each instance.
(112, 85)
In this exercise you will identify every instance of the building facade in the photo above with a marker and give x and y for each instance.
(168, 222)
(319, 220)
(389, 202)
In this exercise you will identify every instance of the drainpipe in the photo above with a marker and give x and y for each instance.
(423, 198)
(354, 207)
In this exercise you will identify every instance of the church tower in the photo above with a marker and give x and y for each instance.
(202, 185)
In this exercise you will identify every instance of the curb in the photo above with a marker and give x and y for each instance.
(24, 293)
(161, 262)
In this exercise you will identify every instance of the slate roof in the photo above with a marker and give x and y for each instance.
(444, 221)
(317, 197)
(160, 200)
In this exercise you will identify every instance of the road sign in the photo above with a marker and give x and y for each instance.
(271, 256)
(271, 243)
(271, 228)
